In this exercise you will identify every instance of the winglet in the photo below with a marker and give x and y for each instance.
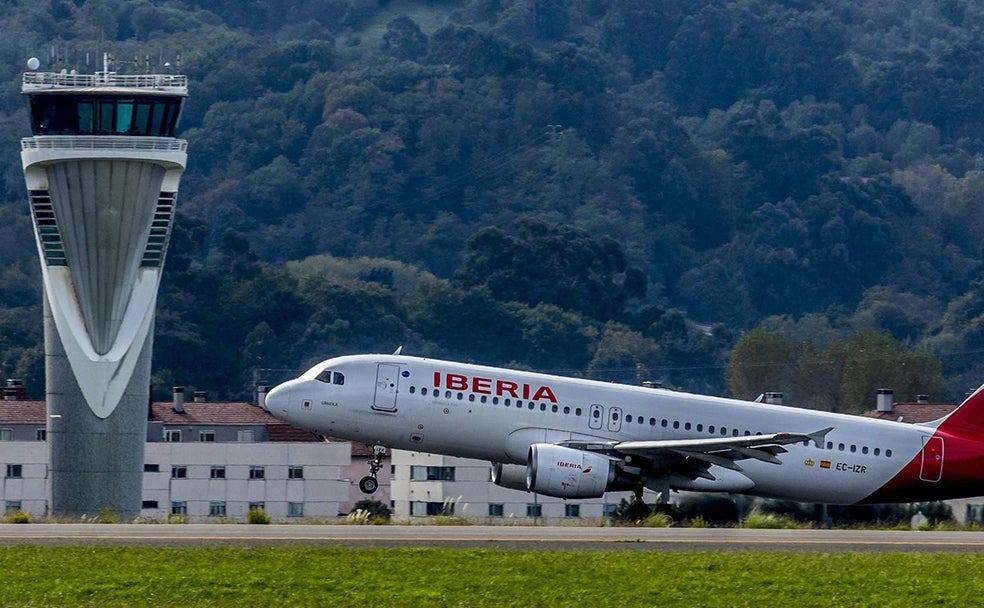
(819, 436)
(398, 350)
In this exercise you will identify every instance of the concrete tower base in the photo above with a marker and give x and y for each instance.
(95, 464)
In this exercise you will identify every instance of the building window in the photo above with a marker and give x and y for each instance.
(495, 509)
(148, 504)
(15, 471)
(257, 472)
(216, 509)
(572, 510)
(419, 473)
(295, 472)
(12, 505)
(6, 434)
(257, 505)
(179, 472)
(246, 436)
(609, 509)
(152, 468)
(295, 509)
(172, 435)
(218, 473)
(179, 507)
(421, 509)
(41, 434)
(206, 436)
(534, 510)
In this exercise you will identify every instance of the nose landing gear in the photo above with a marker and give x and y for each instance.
(369, 483)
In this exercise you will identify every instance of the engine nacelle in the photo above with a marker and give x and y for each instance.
(563, 472)
(512, 476)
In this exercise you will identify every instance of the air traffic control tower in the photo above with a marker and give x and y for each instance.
(102, 172)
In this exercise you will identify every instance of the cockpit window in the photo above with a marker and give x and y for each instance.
(338, 378)
(324, 376)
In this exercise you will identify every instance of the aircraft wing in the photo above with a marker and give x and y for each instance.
(693, 457)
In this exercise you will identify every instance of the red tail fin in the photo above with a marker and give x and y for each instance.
(968, 415)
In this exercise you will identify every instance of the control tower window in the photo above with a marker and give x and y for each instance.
(104, 115)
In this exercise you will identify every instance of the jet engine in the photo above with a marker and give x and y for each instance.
(563, 472)
(512, 476)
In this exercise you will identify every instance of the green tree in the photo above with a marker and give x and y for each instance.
(761, 361)
(876, 360)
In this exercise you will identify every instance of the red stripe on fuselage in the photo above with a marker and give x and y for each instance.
(962, 473)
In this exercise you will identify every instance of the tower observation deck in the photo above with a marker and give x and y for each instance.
(102, 171)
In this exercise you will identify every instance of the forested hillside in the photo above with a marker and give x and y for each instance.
(620, 189)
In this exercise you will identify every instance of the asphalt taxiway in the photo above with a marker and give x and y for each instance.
(507, 537)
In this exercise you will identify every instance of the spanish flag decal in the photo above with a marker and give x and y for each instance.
(824, 464)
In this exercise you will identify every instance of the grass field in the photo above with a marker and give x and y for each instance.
(88, 576)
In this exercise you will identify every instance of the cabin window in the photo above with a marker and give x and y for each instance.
(507, 402)
(628, 417)
(447, 394)
(710, 429)
(596, 414)
(338, 378)
(686, 426)
(484, 399)
(495, 401)
(567, 409)
(543, 407)
(840, 447)
(877, 451)
(676, 424)
(554, 408)
(864, 449)
(461, 396)
(724, 430)
(888, 453)
(412, 390)
(664, 422)
(652, 422)
(700, 428)
(830, 445)
(423, 391)
(577, 412)
(854, 448)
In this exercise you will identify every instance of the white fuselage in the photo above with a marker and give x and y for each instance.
(496, 414)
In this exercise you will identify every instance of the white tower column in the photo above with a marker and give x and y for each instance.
(102, 173)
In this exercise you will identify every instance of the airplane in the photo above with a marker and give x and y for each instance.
(576, 438)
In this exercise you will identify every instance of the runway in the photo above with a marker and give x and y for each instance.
(547, 538)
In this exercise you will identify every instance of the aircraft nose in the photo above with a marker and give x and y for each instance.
(278, 399)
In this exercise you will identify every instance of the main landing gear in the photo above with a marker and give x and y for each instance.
(369, 483)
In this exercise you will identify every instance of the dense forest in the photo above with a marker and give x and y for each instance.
(726, 197)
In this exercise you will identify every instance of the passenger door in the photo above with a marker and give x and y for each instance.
(932, 459)
(387, 387)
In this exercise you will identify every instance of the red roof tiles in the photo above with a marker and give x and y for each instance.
(196, 413)
(914, 412)
(23, 412)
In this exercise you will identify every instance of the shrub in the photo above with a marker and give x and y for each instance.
(769, 521)
(108, 516)
(17, 517)
(374, 509)
(258, 516)
(658, 520)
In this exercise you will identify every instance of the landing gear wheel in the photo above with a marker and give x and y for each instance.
(368, 484)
